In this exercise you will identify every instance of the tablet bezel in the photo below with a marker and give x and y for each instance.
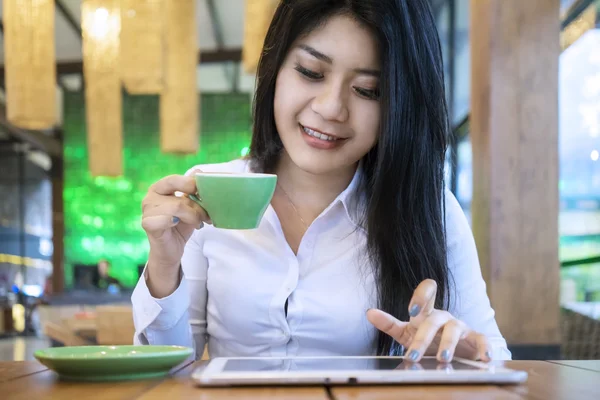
(211, 374)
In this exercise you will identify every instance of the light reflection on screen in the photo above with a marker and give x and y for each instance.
(340, 364)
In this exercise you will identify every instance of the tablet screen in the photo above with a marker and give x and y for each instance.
(340, 364)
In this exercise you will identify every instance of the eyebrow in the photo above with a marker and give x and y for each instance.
(320, 56)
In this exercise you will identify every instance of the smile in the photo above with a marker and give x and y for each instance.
(319, 135)
(319, 140)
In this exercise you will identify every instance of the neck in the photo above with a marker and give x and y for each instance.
(311, 192)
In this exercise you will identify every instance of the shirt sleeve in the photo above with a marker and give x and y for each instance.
(180, 318)
(469, 301)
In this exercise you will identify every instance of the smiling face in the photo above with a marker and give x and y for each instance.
(327, 109)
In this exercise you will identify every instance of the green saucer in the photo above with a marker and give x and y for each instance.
(109, 363)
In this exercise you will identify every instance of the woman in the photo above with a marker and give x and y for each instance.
(362, 251)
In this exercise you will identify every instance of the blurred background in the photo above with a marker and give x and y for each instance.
(101, 98)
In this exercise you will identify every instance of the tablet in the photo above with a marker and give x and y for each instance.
(349, 370)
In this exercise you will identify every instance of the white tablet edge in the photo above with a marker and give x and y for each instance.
(210, 374)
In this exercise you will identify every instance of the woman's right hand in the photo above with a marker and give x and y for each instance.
(169, 222)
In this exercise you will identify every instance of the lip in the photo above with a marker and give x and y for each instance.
(319, 143)
(320, 131)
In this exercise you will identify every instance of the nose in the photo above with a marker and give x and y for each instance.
(330, 103)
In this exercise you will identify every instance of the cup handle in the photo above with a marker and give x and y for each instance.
(198, 200)
(195, 198)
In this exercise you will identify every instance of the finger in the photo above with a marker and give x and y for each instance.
(174, 183)
(451, 334)
(159, 223)
(388, 324)
(174, 205)
(426, 333)
(482, 344)
(423, 300)
(191, 174)
(186, 210)
(195, 171)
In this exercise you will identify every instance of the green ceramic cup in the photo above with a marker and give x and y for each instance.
(235, 201)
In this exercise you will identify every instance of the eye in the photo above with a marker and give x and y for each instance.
(371, 94)
(312, 75)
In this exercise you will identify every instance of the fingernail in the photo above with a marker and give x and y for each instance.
(488, 354)
(175, 220)
(445, 355)
(414, 310)
(413, 355)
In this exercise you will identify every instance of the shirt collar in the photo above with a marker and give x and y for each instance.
(353, 199)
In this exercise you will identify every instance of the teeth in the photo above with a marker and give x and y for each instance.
(318, 135)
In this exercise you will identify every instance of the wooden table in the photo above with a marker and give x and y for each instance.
(547, 381)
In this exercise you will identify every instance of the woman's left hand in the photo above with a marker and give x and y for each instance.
(430, 331)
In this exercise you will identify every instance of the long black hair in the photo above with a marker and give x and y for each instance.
(403, 175)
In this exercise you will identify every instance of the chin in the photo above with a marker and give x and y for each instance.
(317, 164)
(316, 169)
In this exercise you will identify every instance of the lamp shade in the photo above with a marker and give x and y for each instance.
(142, 45)
(101, 25)
(30, 63)
(179, 101)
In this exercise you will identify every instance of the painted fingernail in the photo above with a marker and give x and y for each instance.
(414, 310)
(413, 355)
(445, 355)
(175, 220)
(488, 354)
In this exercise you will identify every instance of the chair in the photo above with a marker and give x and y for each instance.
(580, 336)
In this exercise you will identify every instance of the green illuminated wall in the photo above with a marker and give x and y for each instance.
(102, 215)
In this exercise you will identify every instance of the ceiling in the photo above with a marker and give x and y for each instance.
(220, 27)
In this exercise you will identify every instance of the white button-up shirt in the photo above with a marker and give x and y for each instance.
(235, 285)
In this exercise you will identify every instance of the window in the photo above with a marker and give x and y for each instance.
(579, 135)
